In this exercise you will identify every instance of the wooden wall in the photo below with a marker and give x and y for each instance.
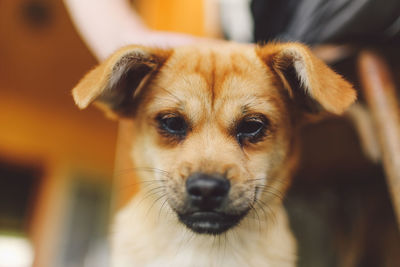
(41, 58)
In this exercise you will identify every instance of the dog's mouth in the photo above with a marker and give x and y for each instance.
(213, 223)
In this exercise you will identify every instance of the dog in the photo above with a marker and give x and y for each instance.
(216, 128)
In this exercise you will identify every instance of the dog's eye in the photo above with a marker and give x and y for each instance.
(173, 125)
(251, 129)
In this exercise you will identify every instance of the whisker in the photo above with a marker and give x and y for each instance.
(258, 217)
(164, 174)
(155, 201)
(152, 192)
(270, 214)
(254, 180)
(161, 208)
(276, 180)
(272, 190)
(265, 213)
(146, 184)
(149, 169)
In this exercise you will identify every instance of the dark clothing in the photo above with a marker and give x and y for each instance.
(327, 21)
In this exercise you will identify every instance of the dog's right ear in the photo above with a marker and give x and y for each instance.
(112, 84)
(310, 82)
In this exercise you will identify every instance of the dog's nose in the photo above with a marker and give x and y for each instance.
(205, 191)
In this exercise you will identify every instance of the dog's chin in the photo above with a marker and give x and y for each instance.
(212, 223)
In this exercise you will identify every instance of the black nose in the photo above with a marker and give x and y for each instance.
(207, 192)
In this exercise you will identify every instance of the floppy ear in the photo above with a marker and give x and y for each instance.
(112, 84)
(311, 83)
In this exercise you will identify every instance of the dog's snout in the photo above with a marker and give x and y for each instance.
(205, 191)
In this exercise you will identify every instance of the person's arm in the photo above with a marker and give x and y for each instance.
(106, 25)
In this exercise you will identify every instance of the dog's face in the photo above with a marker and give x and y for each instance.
(218, 124)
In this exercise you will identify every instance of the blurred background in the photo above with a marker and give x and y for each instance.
(57, 162)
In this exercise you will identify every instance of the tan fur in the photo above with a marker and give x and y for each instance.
(213, 87)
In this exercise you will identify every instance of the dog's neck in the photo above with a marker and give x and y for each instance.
(148, 231)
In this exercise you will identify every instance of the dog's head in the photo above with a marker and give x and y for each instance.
(219, 124)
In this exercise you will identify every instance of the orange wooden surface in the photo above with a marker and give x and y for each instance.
(39, 64)
(186, 16)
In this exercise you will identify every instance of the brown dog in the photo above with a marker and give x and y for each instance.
(218, 125)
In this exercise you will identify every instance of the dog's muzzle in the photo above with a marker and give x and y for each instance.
(207, 195)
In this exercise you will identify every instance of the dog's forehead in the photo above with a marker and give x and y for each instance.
(207, 78)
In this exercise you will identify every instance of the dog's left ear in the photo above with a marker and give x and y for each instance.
(113, 83)
(311, 83)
